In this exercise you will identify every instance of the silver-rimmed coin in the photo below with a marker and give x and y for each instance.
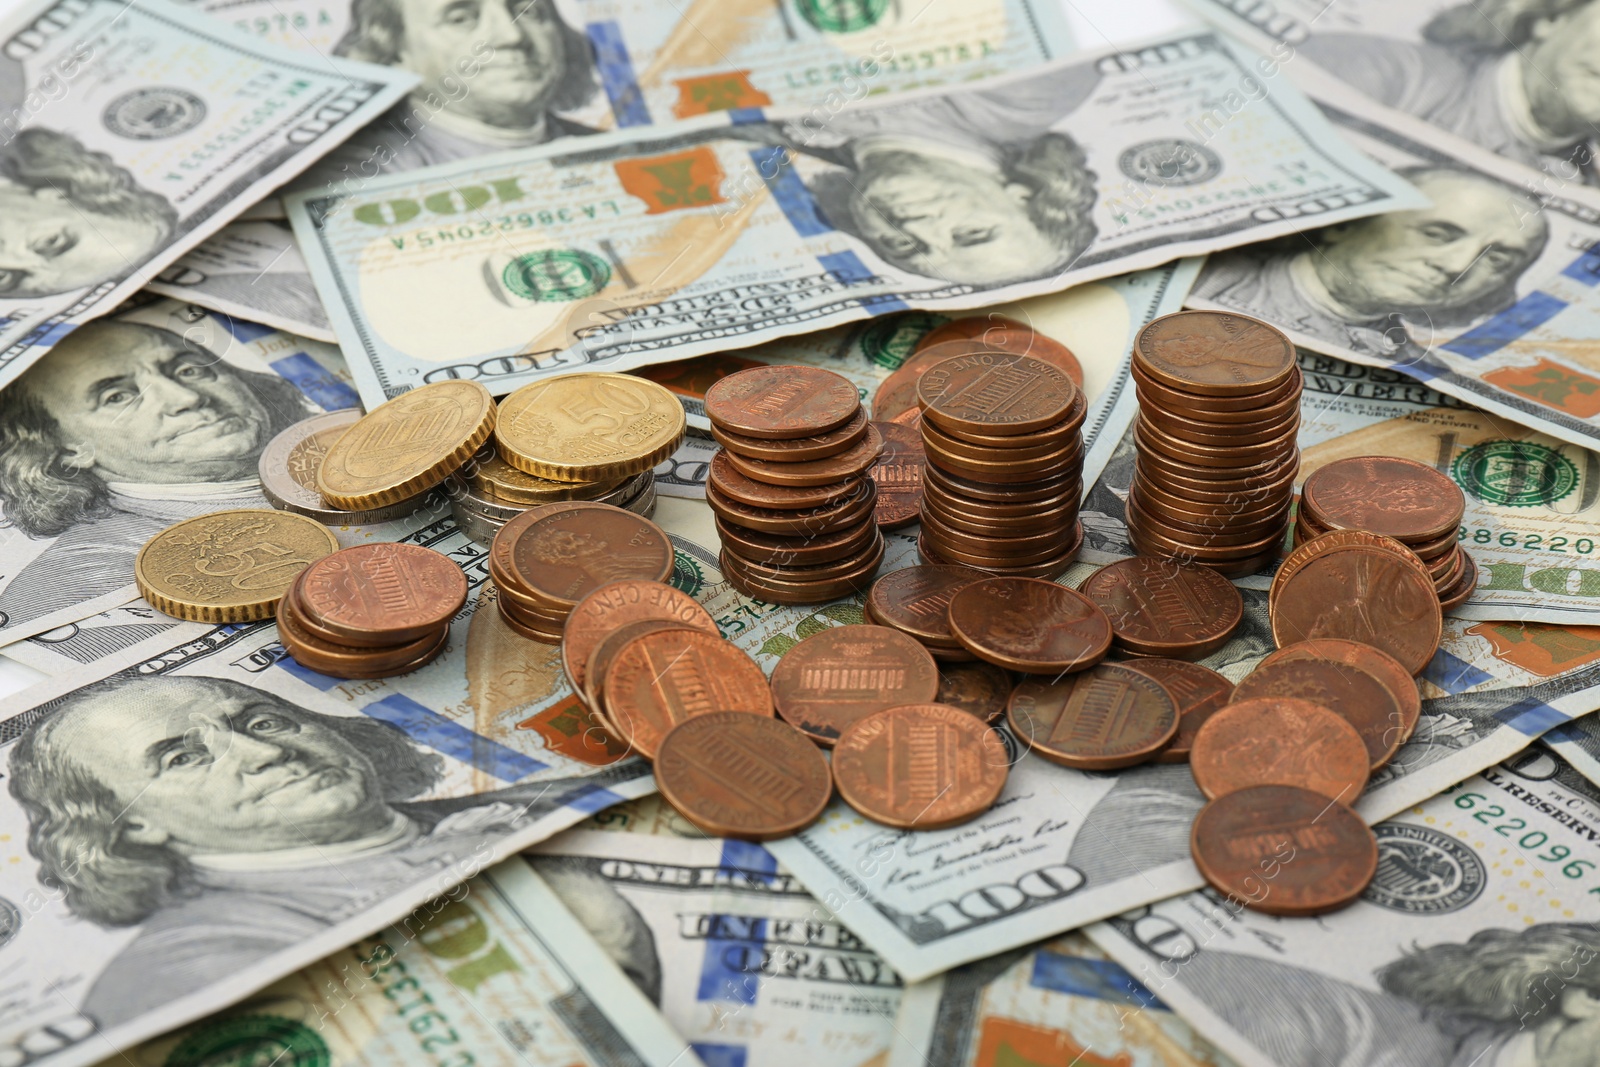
(289, 465)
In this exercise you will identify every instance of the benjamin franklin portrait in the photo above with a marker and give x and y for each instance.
(119, 431)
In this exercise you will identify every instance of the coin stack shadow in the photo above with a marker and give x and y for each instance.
(795, 508)
(1219, 411)
(1399, 498)
(371, 611)
(1004, 468)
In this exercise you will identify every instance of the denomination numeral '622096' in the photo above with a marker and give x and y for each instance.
(262, 565)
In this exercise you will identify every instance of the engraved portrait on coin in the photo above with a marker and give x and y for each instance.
(972, 188)
(123, 429)
(221, 823)
(1371, 285)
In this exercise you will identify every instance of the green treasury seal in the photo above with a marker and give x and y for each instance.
(556, 275)
(1517, 474)
(247, 1040)
(842, 16)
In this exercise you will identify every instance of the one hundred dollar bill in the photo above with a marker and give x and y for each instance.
(1503, 78)
(732, 230)
(1532, 519)
(1062, 848)
(251, 270)
(128, 425)
(1060, 1001)
(1488, 295)
(1475, 943)
(495, 972)
(129, 134)
(741, 960)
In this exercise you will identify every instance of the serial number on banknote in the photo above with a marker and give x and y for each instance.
(1556, 857)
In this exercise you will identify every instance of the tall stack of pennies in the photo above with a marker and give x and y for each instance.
(1219, 411)
(1004, 462)
(1399, 498)
(795, 507)
(581, 437)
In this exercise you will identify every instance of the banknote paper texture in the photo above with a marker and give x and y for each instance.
(1060, 1001)
(495, 972)
(742, 961)
(1475, 943)
(1488, 295)
(112, 172)
(621, 250)
(1532, 500)
(254, 271)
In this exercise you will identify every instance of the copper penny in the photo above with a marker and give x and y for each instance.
(347, 670)
(1455, 596)
(997, 333)
(898, 475)
(995, 393)
(1361, 698)
(1160, 607)
(1283, 850)
(1310, 549)
(916, 600)
(896, 396)
(1213, 353)
(601, 656)
(795, 449)
(853, 462)
(1217, 408)
(833, 678)
(533, 631)
(616, 604)
(1384, 494)
(979, 689)
(943, 444)
(1050, 568)
(1375, 662)
(1100, 719)
(569, 550)
(961, 518)
(1199, 691)
(661, 679)
(733, 483)
(920, 767)
(856, 506)
(742, 776)
(758, 547)
(782, 402)
(813, 572)
(1279, 741)
(1361, 594)
(382, 594)
(971, 328)
(1014, 494)
(329, 657)
(796, 589)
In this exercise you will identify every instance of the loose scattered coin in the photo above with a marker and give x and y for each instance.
(228, 566)
(663, 678)
(289, 464)
(1029, 625)
(920, 767)
(1199, 691)
(605, 652)
(1279, 741)
(834, 678)
(1096, 720)
(407, 445)
(606, 608)
(1364, 701)
(589, 427)
(1376, 662)
(1162, 607)
(1284, 850)
(979, 689)
(742, 776)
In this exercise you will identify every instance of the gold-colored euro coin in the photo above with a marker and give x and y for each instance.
(407, 445)
(229, 566)
(500, 480)
(589, 427)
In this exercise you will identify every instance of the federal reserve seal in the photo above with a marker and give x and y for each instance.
(556, 275)
(842, 16)
(1423, 870)
(1515, 474)
(251, 1039)
(152, 114)
(1170, 161)
(687, 576)
(888, 341)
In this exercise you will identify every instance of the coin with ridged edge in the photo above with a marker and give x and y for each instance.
(228, 566)
(742, 776)
(589, 427)
(920, 767)
(289, 466)
(407, 445)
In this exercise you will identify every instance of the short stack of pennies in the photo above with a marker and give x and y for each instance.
(1004, 473)
(795, 507)
(1216, 436)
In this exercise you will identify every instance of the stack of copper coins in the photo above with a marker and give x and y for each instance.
(1004, 463)
(550, 557)
(896, 397)
(372, 611)
(1219, 410)
(1399, 498)
(795, 508)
